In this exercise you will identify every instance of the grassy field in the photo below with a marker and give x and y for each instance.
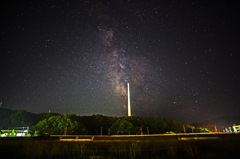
(225, 146)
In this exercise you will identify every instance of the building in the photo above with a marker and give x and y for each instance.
(20, 132)
(234, 128)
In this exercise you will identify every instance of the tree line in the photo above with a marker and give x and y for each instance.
(71, 124)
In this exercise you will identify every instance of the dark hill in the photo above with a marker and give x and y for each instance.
(220, 123)
(94, 124)
(19, 118)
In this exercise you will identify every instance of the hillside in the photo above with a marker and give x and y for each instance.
(220, 123)
(18, 118)
(21, 118)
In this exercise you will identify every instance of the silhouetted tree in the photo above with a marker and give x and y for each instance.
(121, 126)
(55, 125)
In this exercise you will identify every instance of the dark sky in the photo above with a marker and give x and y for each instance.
(181, 58)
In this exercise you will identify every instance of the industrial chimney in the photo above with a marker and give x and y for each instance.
(129, 106)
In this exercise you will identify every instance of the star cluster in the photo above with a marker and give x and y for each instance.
(181, 58)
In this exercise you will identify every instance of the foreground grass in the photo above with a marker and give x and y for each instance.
(42, 148)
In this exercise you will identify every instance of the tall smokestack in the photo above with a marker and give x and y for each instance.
(129, 106)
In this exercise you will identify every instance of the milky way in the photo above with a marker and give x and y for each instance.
(181, 58)
(123, 64)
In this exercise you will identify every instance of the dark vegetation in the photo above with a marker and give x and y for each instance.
(39, 147)
(141, 146)
(54, 124)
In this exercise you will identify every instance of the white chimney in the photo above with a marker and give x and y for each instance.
(129, 106)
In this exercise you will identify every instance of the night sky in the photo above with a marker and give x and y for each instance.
(181, 58)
